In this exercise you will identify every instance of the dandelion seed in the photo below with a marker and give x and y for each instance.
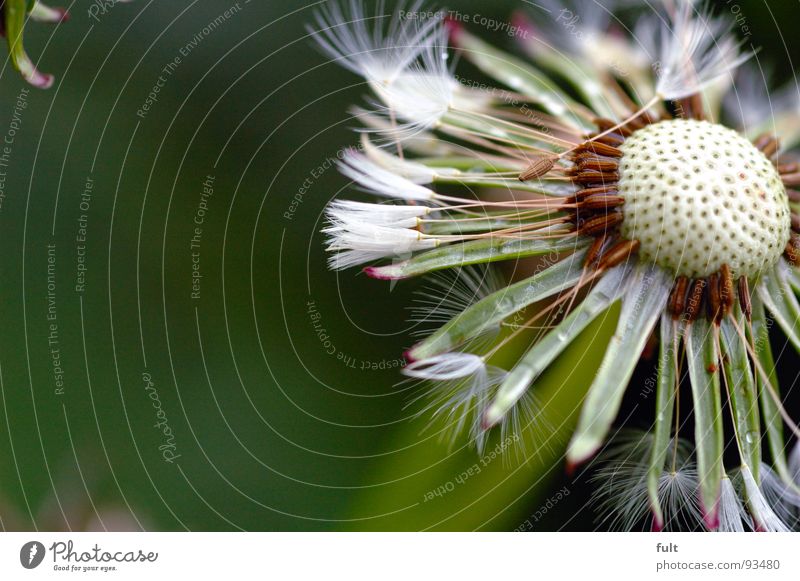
(695, 53)
(415, 172)
(447, 296)
(463, 384)
(446, 367)
(359, 242)
(369, 47)
(342, 213)
(783, 497)
(381, 181)
(732, 515)
(405, 63)
(621, 494)
(764, 517)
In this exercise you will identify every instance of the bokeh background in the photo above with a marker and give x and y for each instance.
(154, 376)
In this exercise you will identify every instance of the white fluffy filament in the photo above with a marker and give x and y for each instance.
(698, 51)
(405, 64)
(381, 181)
(764, 517)
(355, 243)
(342, 213)
(365, 45)
(732, 514)
(446, 367)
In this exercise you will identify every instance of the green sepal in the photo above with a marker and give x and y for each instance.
(666, 386)
(479, 224)
(490, 311)
(794, 278)
(743, 393)
(703, 359)
(545, 351)
(778, 297)
(474, 252)
(773, 422)
(644, 302)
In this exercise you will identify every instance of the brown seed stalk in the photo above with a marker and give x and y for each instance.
(694, 302)
(677, 299)
(538, 167)
(592, 177)
(726, 289)
(602, 202)
(791, 180)
(586, 192)
(692, 107)
(744, 298)
(617, 254)
(603, 164)
(714, 302)
(612, 139)
(792, 251)
(600, 224)
(600, 148)
(767, 144)
(594, 250)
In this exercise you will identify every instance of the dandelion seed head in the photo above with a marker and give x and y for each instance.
(698, 195)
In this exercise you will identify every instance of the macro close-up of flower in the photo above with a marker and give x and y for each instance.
(629, 168)
(325, 276)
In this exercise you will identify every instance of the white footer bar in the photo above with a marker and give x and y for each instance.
(406, 556)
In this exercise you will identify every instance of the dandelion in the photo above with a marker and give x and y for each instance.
(633, 186)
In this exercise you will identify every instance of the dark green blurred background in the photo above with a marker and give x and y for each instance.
(270, 426)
